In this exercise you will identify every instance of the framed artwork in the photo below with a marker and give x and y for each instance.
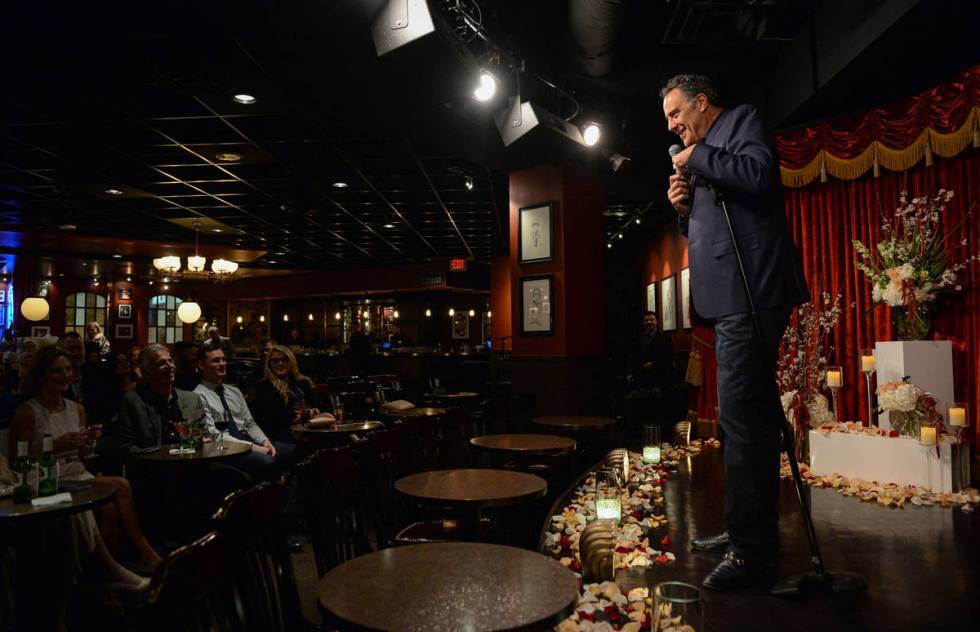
(461, 326)
(685, 298)
(124, 332)
(652, 298)
(668, 303)
(40, 331)
(536, 298)
(124, 294)
(534, 243)
(125, 310)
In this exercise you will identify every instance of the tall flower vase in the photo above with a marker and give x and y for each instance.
(802, 446)
(906, 423)
(911, 325)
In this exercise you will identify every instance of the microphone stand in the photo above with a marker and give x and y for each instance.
(837, 581)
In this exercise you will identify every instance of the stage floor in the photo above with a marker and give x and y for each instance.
(922, 563)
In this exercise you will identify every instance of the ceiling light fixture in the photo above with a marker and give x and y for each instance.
(166, 287)
(637, 220)
(117, 256)
(239, 319)
(68, 227)
(489, 314)
(262, 318)
(591, 134)
(217, 230)
(468, 182)
(244, 98)
(388, 226)
(310, 316)
(228, 156)
(428, 313)
(129, 279)
(34, 308)
(472, 313)
(487, 87)
(452, 312)
(285, 318)
(336, 316)
(113, 192)
(223, 267)
(340, 184)
(366, 314)
(189, 312)
(395, 314)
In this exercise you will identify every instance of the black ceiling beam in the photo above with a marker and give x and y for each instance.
(435, 192)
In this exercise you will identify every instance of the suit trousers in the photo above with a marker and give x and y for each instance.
(751, 416)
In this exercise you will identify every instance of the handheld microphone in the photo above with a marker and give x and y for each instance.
(673, 151)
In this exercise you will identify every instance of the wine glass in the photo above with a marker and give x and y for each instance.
(184, 430)
(221, 425)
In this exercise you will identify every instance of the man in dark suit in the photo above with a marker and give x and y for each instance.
(727, 153)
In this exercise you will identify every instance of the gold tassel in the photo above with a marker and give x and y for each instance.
(928, 149)
(823, 166)
(877, 167)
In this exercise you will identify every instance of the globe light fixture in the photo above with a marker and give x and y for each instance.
(34, 308)
(189, 312)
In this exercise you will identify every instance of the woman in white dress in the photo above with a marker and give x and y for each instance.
(95, 334)
(48, 412)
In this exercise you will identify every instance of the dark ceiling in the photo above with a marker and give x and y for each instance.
(137, 97)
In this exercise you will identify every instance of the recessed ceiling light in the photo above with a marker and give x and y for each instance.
(113, 192)
(68, 227)
(244, 99)
(117, 256)
(340, 184)
(271, 261)
(217, 230)
(389, 226)
(228, 156)
(128, 279)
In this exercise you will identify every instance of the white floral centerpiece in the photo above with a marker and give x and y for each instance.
(909, 267)
(907, 406)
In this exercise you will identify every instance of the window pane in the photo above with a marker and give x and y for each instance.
(79, 316)
(170, 302)
(171, 318)
(100, 301)
(170, 335)
(180, 334)
(153, 335)
(70, 302)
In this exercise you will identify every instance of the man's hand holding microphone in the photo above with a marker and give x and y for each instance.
(679, 184)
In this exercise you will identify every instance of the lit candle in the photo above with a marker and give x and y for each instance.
(626, 467)
(867, 363)
(608, 509)
(927, 435)
(833, 379)
(957, 416)
(651, 454)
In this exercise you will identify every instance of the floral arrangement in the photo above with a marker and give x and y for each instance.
(910, 266)
(908, 404)
(802, 363)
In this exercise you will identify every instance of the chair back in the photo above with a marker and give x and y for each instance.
(261, 566)
(384, 461)
(192, 592)
(422, 440)
(454, 428)
(332, 501)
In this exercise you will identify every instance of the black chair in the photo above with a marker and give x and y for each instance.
(261, 567)
(192, 591)
(332, 501)
(383, 461)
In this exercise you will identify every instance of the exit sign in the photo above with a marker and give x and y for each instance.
(457, 265)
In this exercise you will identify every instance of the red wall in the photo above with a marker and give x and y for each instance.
(500, 301)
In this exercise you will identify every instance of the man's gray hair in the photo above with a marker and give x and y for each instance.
(148, 353)
(212, 328)
(691, 86)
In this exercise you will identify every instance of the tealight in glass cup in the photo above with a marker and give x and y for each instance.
(676, 606)
(651, 445)
(608, 505)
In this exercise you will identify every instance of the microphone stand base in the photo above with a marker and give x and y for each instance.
(834, 581)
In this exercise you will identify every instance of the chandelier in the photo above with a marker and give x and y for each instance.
(170, 265)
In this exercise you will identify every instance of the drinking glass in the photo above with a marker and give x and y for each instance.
(221, 425)
(184, 430)
(677, 604)
(338, 407)
(608, 505)
(651, 444)
(94, 433)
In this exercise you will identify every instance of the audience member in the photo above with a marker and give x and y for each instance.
(48, 412)
(215, 339)
(93, 332)
(360, 349)
(284, 396)
(263, 348)
(133, 353)
(187, 371)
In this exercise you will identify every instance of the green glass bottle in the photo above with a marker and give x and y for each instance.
(47, 469)
(22, 470)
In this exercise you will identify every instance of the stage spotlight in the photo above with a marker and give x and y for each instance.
(618, 162)
(468, 181)
(488, 87)
(591, 134)
(519, 118)
(400, 22)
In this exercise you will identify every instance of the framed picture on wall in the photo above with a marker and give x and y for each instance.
(124, 332)
(124, 294)
(668, 303)
(537, 318)
(461, 326)
(534, 243)
(125, 310)
(40, 331)
(652, 298)
(684, 296)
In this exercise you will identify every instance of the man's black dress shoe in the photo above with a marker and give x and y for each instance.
(712, 544)
(733, 573)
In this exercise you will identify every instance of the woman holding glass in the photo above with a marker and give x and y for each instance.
(48, 412)
(284, 396)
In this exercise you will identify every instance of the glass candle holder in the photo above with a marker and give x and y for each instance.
(835, 381)
(608, 505)
(651, 444)
(677, 606)
(958, 417)
(869, 366)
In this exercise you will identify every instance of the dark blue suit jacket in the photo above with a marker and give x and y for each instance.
(736, 157)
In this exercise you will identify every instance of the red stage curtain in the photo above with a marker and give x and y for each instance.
(825, 217)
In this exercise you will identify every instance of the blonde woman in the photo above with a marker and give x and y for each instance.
(93, 333)
(284, 396)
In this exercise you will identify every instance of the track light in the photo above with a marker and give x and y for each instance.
(637, 220)
(468, 181)
(395, 314)
(488, 87)
(452, 312)
(336, 316)
(428, 313)
(472, 313)
(309, 316)
(591, 134)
